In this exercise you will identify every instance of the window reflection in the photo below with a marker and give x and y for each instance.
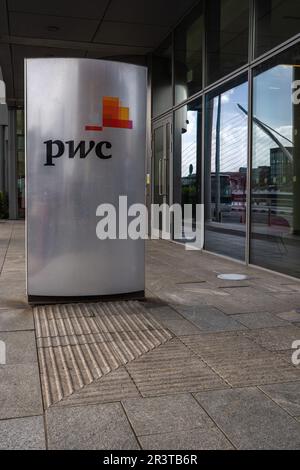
(162, 78)
(188, 55)
(227, 26)
(186, 166)
(276, 21)
(226, 172)
(275, 200)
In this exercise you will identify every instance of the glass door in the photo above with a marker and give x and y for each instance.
(161, 161)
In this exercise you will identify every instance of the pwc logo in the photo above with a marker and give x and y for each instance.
(113, 116)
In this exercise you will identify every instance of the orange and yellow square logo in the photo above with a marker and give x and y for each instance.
(113, 115)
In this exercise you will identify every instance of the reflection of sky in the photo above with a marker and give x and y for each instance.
(189, 145)
(272, 106)
(233, 138)
(272, 96)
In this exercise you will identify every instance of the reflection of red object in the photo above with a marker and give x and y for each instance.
(93, 128)
(114, 115)
(277, 220)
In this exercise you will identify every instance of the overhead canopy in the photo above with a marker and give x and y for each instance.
(125, 30)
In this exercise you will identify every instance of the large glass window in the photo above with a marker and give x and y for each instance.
(188, 55)
(227, 25)
(226, 170)
(275, 214)
(276, 21)
(162, 78)
(187, 158)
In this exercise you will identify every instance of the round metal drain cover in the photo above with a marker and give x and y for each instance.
(233, 277)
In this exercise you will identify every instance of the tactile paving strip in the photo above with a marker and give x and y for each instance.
(240, 361)
(80, 343)
(172, 368)
(115, 386)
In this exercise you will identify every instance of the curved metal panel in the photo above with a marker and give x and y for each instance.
(69, 104)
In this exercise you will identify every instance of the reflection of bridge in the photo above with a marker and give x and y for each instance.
(269, 131)
(272, 197)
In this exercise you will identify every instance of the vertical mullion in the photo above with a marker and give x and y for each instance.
(203, 98)
(249, 166)
(173, 66)
(251, 52)
(204, 47)
(202, 176)
(171, 171)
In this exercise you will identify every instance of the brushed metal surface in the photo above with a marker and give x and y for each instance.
(64, 255)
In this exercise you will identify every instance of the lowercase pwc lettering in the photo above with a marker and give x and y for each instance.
(56, 149)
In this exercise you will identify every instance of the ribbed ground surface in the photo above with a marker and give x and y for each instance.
(79, 343)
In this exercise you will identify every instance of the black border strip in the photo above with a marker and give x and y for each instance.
(43, 300)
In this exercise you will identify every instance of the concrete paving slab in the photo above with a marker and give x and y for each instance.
(175, 296)
(173, 321)
(20, 347)
(20, 393)
(287, 356)
(251, 420)
(292, 316)
(248, 300)
(22, 434)
(275, 339)
(195, 439)
(172, 368)
(12, 304)
(91, 427)
(165, 414)
(274, 284)
(291, 287)
(181, 327)
(285, 395)
(16, 319)
(14, 300)
(291, 298)
(260, 320)
(113, 387)
(151, 301)
(209, 319)
(240, 361)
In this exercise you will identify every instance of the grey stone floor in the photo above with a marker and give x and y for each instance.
(224, 379)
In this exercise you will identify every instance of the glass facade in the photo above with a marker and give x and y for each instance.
(227, 37)
(275, 22)
(226, 170)
(235, 84)
(188, 49)
(187, 157)
(162, 94)
(275, 195)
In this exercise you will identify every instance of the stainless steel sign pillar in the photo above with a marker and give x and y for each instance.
(85, 146)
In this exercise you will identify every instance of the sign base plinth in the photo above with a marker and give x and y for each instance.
(45, 300)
